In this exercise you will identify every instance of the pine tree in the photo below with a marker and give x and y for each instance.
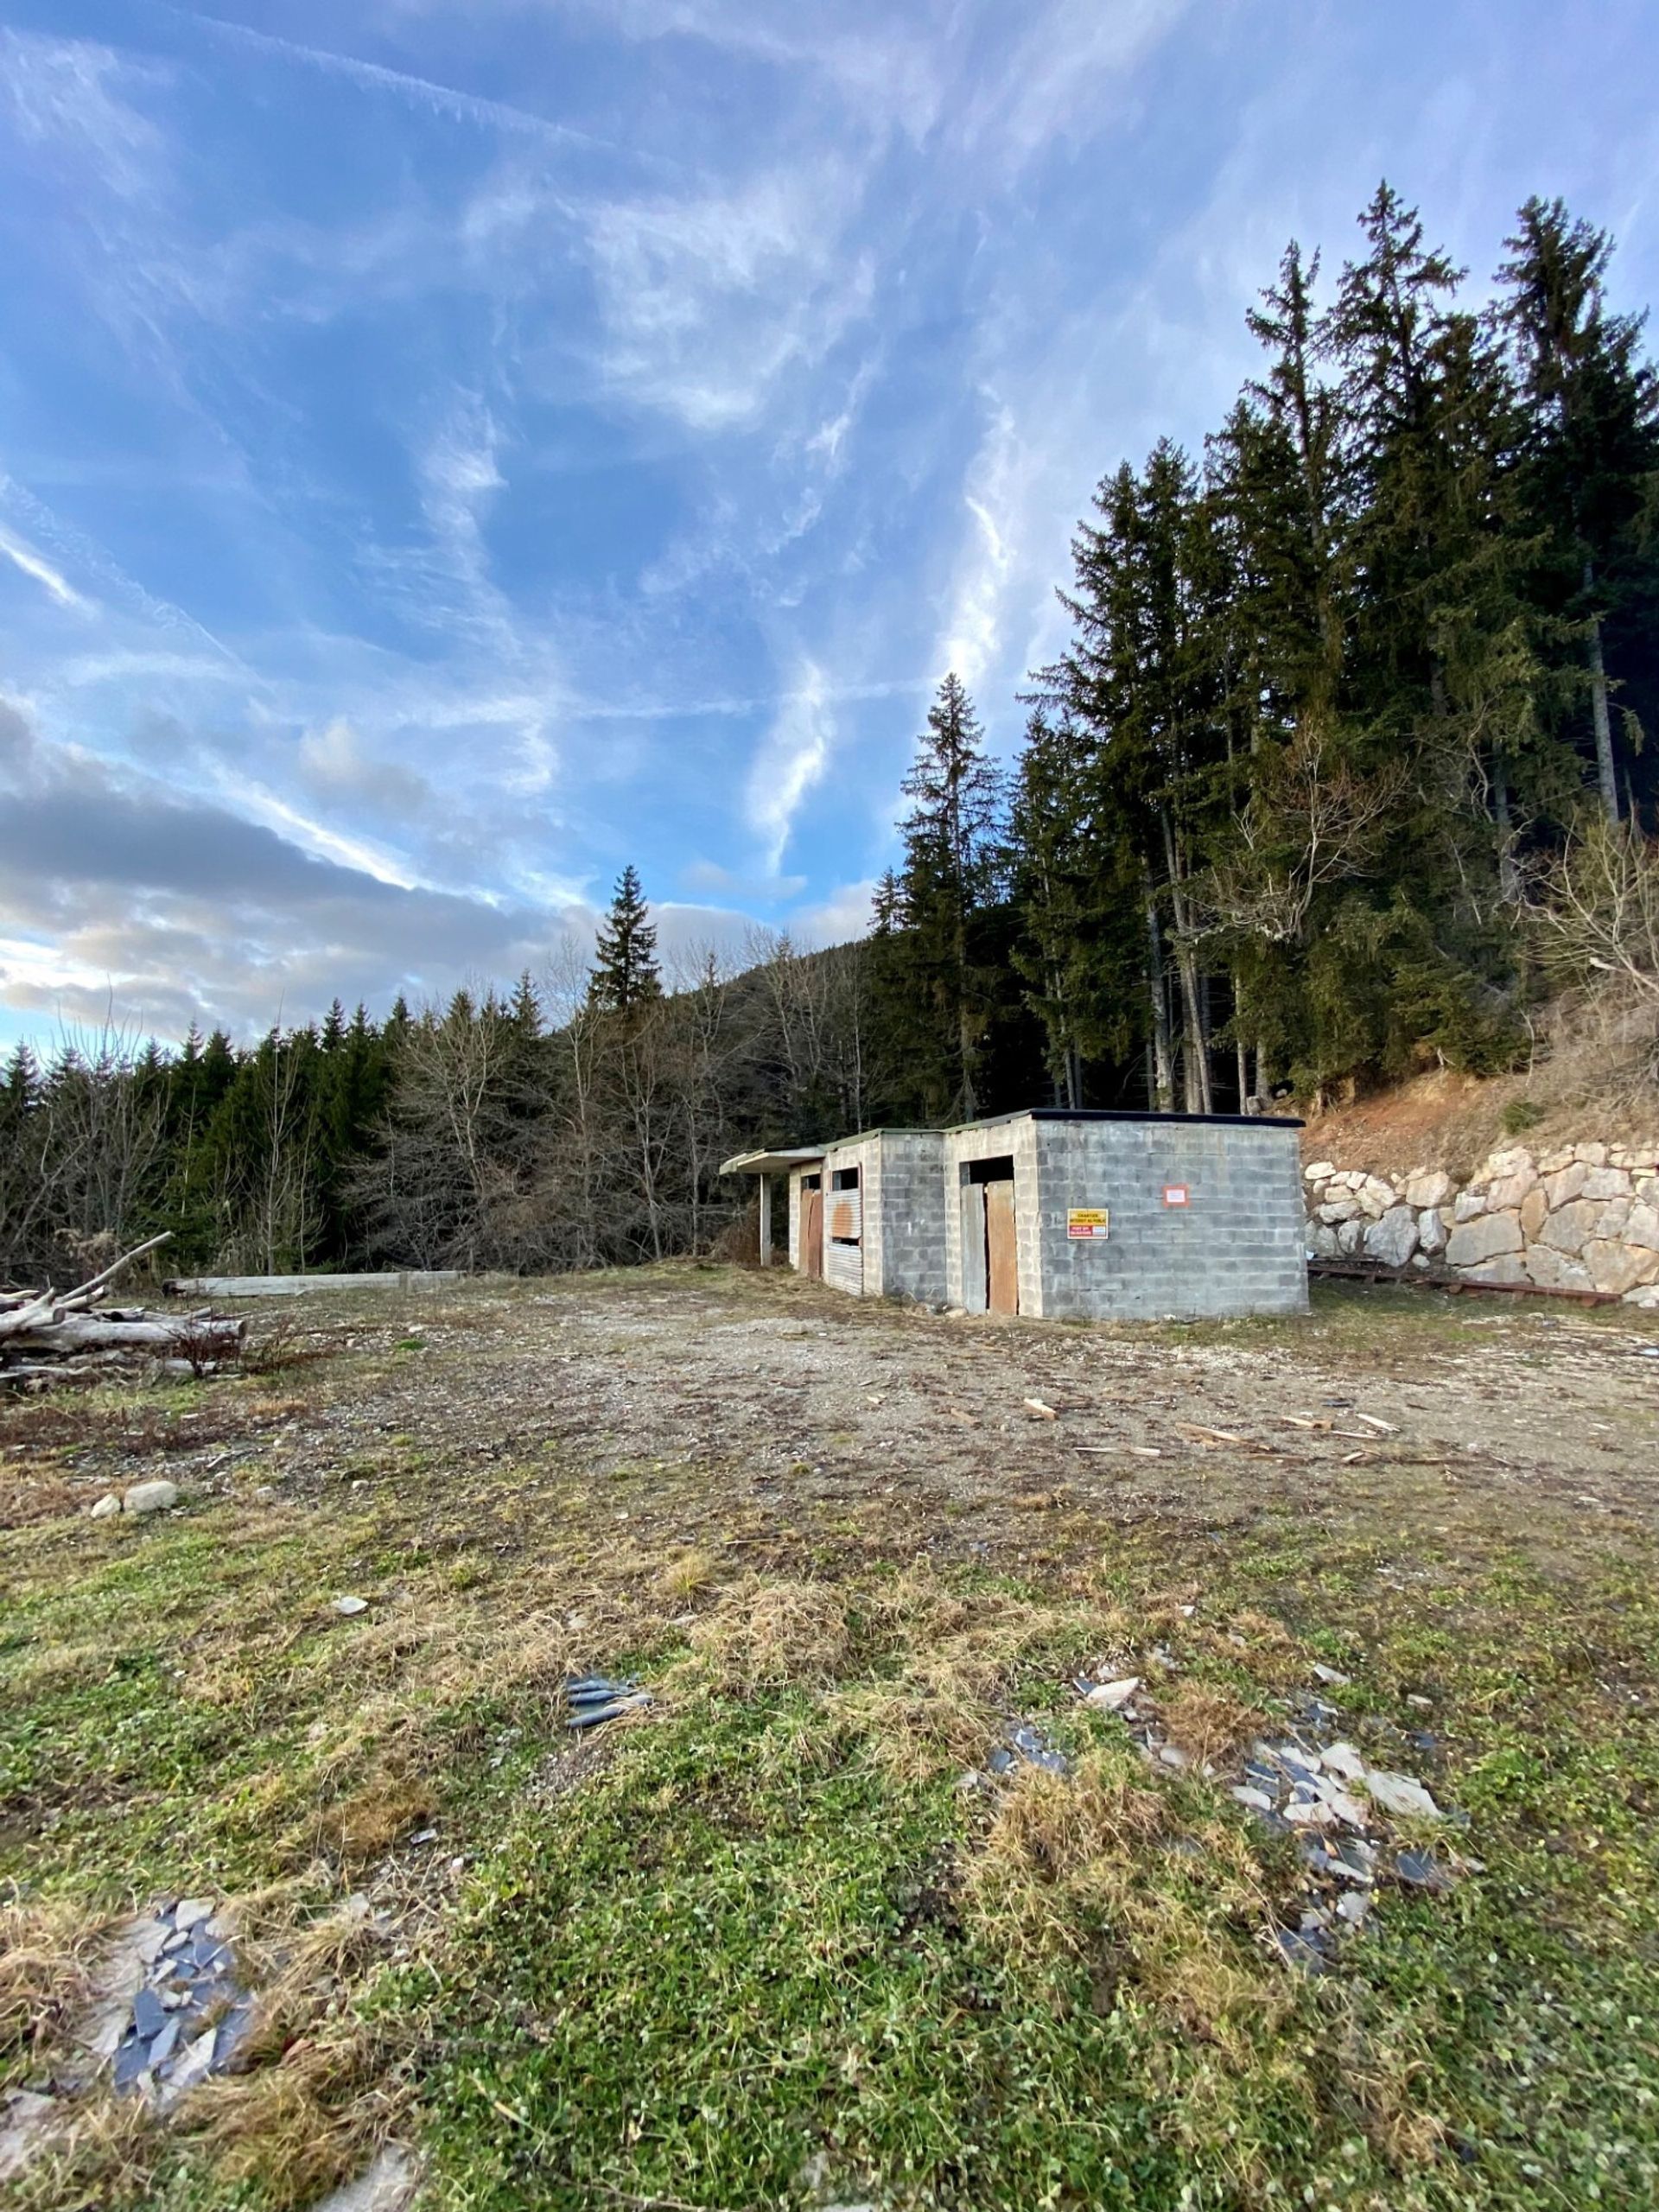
(626, 975)
(952, 843)
(1053, 865)
(1591, 466)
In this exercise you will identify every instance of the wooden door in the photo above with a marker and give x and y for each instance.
(1001, 1267)
(812, 1233)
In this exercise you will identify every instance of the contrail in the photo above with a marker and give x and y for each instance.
(373, 76)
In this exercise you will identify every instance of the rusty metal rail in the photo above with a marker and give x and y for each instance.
(1455, 1286)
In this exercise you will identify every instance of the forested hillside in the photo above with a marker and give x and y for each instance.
(1342, 773)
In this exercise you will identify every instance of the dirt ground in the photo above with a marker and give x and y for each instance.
(325, 1691)
(1382, 1410)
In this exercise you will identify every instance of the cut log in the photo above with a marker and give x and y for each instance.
(22, 1309)
(77, 1332)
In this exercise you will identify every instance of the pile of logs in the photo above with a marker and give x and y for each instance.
(47, 1336)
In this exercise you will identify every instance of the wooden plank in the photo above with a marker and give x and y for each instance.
(1002, 1263)
(812, 1233)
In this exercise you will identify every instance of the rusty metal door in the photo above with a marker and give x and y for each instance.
(812, 1233)
(1001, 1268)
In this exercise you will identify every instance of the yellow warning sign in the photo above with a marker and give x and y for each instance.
(1087, 1223)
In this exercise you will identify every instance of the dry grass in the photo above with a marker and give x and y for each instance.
(102, 2160)
(363, 1826)
(317, 2089)
(765, 1636)
(1590, 1073)
(305, 2122)
(1206, 1721)
(45, 1959)
(1060, 1852)
(687, 1572)
(1080, 1865)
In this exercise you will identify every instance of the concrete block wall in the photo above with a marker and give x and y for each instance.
(902, 1250)
(909, 1217)
(1237, 1247)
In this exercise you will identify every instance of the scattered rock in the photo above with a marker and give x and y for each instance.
(387, 2185)
(1111, 1696)
(345, 1608)
(107, 1507)
(1420, 1870)
(25, 2117)
(150, 1497)
(188, 2015)
(1034, 1748)
(1399, 1794)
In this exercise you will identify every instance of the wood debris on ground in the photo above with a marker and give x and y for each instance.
(50, 1336)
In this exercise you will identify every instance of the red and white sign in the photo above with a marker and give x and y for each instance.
(1177, 1194)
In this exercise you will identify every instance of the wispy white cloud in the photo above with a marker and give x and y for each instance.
(422, 93)
(1054, 82)
(51, 580)
(70, 100)
(972, 639)
(789, 764)
(707, 302)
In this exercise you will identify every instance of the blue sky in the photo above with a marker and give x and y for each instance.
(447, 451)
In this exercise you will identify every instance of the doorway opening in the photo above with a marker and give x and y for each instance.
(990, 1251)
(812, 1225)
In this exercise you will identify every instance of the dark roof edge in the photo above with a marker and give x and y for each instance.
(1113, 1114)
(1071, 1114)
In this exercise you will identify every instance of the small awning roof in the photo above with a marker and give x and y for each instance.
(770, 1163)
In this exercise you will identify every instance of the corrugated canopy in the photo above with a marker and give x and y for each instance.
(770, 1163)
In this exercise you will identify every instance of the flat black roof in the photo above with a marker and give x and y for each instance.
(1112, 1114)
(1071, 1114)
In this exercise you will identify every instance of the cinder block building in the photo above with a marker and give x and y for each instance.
(1083, 1215)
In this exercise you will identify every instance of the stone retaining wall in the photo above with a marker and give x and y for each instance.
(1582, 1216)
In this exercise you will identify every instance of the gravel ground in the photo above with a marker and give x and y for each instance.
(730, 1406)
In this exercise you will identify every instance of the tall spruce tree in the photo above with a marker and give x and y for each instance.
(1591, 468)
(951, 845)
(626, 973)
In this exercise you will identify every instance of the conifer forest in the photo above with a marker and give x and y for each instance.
(1345, 771)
